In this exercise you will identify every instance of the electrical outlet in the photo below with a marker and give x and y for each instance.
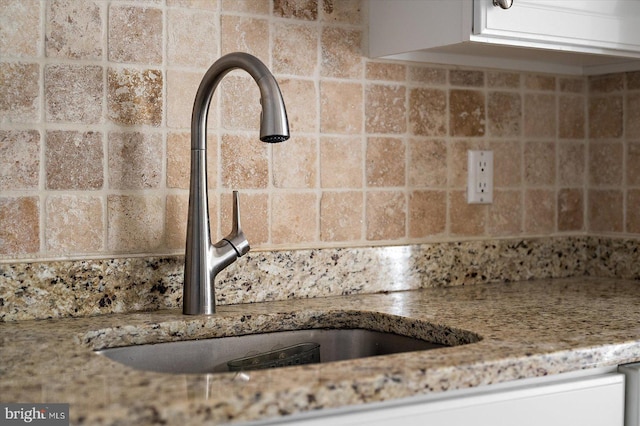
(480, 181)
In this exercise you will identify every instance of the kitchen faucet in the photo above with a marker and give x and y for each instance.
(203, 260)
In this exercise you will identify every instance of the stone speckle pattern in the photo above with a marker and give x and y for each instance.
(591, 323)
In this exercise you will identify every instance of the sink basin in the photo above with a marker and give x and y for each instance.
(250, 351)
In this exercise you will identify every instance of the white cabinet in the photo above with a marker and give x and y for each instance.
(591, 400)
(570, 36)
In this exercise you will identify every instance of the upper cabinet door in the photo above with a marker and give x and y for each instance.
(590, 26)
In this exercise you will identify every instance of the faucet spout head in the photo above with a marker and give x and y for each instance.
(274, 126)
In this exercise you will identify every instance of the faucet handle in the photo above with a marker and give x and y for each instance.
(237, 238)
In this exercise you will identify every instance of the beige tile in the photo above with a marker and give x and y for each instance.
(539, 163)
(342, 11)
(539, 211)
(240, 98)
(606, 83)
(250, 35)
(295, 48)
(427, 163)
(633, 80)
(179, 160)
(256, 7)
(244, 162)
(504, 79)
(385, 109)
(571, 163)
(385, 162)
(295, 163)
(74, 224)
(572, 84)
(20, 94)
(73, 93)
(386, 215)
(205, 4)
(135, 223)
(466, 219)
(176, 220)
(20, 33)
(428, 112)
(539, 82)
(254, 215)
(633, 207)
(540, 115)
(73, 160)
(342, 55)
(294, 218)
(505, 213)
(341, 162)
(572, 117)
(507, 160)
(427, 213)
(386, 71)
(296, 9)
(632, 116)
(135, 96)
(181, 92)
(341, 106)
(74, 29)
(135, 160)
(605, 210)
(605, 117)
(504, 114)
(458, 161)
(570, 210)
(466, 113)
(633, 159)
(189, 40)
(143, 22)
(299, 98)
(427, 75)
(20, 230)
(605, 163)
(467, 78)
(19, 159)
(341, 216)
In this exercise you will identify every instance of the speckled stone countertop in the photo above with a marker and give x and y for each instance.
(527, 329)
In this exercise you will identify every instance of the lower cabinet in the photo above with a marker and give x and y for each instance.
(585, 400)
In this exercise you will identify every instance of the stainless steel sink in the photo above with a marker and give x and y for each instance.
(214, 355)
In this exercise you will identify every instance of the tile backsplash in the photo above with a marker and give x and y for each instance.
(95, 106)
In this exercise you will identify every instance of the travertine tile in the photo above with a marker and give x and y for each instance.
(539, 163)
(606, 83)
(20, 230)
(539, 82)
(74, 29)
(385, 109)
(296, 9)
(504, 79)
(633, 80)
(254, 211)
(466, 113)
(427, 75)
(295, 48)
(250, 35)
(504, 114)
(19, 159)
(571, 163)
(206, 4)
(176, 220)
(74, 160)
(20, 32)
(466, 219)
(572, 117)
(605, 210)
(135, 96)
(343, 11)
(191, 40)
(19, 92)
(633, 159)
(181, 92)
(458, 161)
(570, 210)
(244, 162)
(540, 211)
(505, 213)
(299, 98)
(341, 53)
(257, 7)
(428, 112)
(467, 78)
(73, 93)
(179, 160)
(540, 115)
(633, 207)
(572, 84)
(427, 213)
(386, 215)
(135, 160)
(294, 218)
(341, 216)
(385, 71)
(240, 98)
(135, 222)
(632, 116)
(74, 224)
(294, 163)
(341, 162)
(135, 34)
(427, 163)
(341, 106)
(605, 163)
(605, 117)
(507, 160)
(385, 162)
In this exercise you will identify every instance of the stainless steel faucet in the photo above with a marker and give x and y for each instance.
(203, 260)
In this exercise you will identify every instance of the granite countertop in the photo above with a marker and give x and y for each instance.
(527, 329)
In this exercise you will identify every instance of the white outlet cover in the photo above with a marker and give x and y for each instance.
(480, 177)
